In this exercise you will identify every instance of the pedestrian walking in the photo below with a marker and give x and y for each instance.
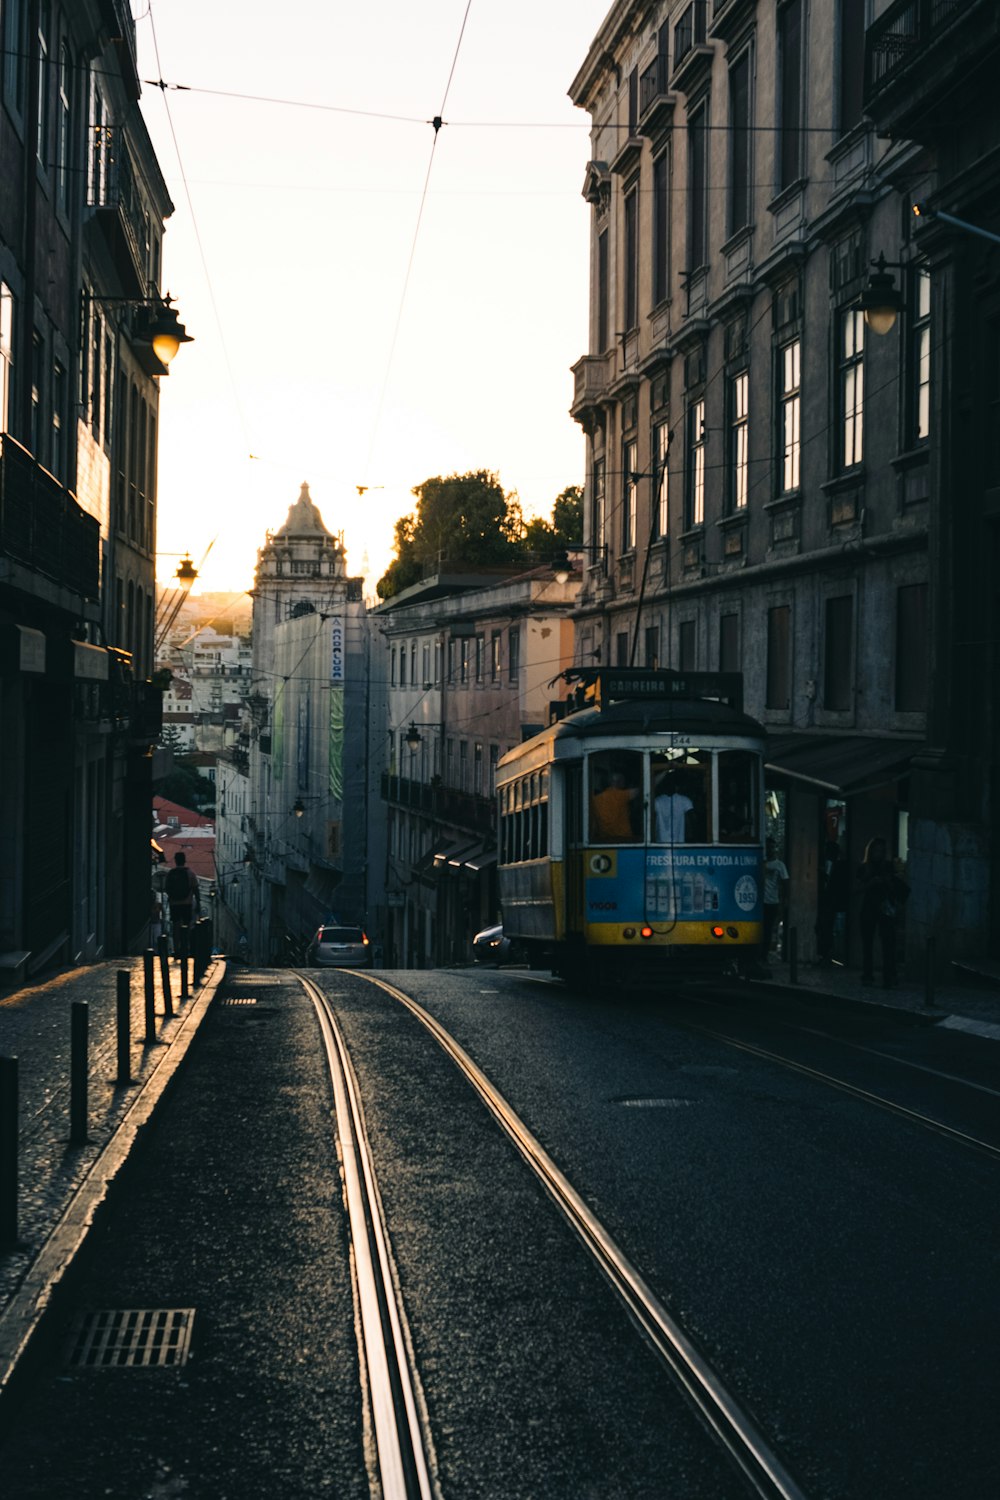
(883, 892)
(834, 899)
(181, 888)
(155, 919)
(775, 892)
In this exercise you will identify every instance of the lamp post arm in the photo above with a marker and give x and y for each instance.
(937, 213)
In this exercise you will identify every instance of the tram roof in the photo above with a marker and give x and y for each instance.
(640, 720)
(702, 715)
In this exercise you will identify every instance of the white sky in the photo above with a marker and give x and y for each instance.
(289, 246)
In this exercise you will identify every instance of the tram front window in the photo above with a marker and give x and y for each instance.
(738, 815)
(615, 797)
(681, 811)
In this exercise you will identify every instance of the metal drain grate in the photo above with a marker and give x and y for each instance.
(239, 1000)
(655, 1103)
(131, 1338)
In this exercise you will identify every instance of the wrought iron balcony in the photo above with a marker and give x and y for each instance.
(656, 102)
(114, 197)
(42, 526)
(908, 33)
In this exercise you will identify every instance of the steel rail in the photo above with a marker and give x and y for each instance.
(842, 1041)
(402, 1441)
(733, 1427)
(914, 1116)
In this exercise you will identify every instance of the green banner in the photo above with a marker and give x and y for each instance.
(336, 779)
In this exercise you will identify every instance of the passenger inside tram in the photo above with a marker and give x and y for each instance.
(681, 800)
(616, 798)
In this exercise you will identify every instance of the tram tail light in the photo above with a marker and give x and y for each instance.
(718, 932)
(646, 932)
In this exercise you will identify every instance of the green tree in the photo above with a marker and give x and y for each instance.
(567, 516)
(464, 520)
(186, 786)
(542, 538)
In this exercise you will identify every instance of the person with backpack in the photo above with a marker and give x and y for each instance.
(181, 888)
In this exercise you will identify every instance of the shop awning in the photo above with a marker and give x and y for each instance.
(844, 765)
(457, 860)
(480, 859)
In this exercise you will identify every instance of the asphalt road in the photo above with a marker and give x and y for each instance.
(835, 1262)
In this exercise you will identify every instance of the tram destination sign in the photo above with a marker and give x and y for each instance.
(604, 685)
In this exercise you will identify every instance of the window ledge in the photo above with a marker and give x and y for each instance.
(852, 479)
(912, 458)
(784, 502)
(788, 195)
(733, 519)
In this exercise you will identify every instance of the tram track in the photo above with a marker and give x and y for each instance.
(731, 1424)
(403, 1447)
(843, 1085)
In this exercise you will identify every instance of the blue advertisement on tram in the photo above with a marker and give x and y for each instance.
(672, 885)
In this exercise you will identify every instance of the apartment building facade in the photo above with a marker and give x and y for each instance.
(761, 472)
(293, 785)
(469, 665)
(82, 212)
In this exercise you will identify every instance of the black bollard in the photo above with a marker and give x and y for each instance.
(929, 973)
(168, 1004)
(184, 946)
(198, 950)
(793, 955)
(79, 1026)
(8, 1150)
(124, 1019)
(149, 995)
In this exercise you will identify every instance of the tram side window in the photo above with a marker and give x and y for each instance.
(739, 818)
(682, 797)
(615, 796)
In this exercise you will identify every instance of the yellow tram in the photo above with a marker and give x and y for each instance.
(631, 829)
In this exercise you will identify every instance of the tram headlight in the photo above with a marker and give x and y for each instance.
(733, 932)
(628, 932)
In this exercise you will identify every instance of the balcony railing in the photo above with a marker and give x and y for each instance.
(42, 526)
(689, 31)
(462, 809)
(114, 195)
(901, 34)
(656, 102)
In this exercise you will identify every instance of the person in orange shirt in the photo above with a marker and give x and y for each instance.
(611, 811)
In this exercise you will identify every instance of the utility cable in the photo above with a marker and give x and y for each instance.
(436, 123)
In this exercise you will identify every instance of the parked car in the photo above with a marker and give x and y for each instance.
(340, 948)
(491, 947)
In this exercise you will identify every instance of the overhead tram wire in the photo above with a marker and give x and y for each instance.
(376, 114)
(197, 232)
(436, 124)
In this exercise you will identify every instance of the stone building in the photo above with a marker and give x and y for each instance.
(930, 89)
(762, 478)
(468, 662)
(304, 750)
(82, 211)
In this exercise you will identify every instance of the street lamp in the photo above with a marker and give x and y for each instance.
(186, 574)
(562, 566)
(881, 301)
(154, 326)
(165, 331)
(413, 738)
